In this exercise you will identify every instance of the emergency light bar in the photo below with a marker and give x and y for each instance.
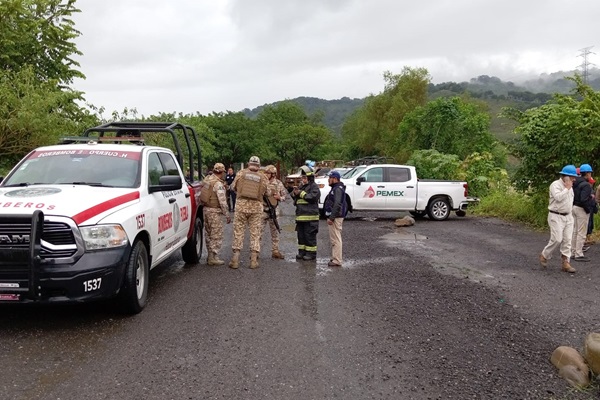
(91, 139)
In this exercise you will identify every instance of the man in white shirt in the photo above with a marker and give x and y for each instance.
(560, 218)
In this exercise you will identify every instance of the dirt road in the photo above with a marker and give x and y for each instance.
(442, 310)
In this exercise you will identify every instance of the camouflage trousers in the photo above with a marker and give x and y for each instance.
(213, 226)
(274, 232)
(254, 222)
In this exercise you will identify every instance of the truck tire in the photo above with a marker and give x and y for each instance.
(191, 252)
(438, 209)
(134, 292)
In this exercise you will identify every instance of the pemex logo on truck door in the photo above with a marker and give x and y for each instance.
(370, 193)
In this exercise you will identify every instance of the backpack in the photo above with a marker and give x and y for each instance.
(349, 207)
(205, 192)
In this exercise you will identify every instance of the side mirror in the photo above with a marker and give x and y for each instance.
(360, 179)
(167, 182)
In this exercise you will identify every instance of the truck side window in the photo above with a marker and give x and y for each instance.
(399, 174)
(155, 169)
(169, 163)
(374, 175)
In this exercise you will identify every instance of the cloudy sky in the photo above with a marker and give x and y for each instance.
(226, 55)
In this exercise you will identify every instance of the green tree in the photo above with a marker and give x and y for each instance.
(483, 175)
(291, 135)
(562, 131)
(372, 128)
(34, 113)
(449, 124)
(235, 138)
(40, 34)
(36, 67)
(431, 164)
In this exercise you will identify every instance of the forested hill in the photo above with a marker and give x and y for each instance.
(334, 112)
(493, 90)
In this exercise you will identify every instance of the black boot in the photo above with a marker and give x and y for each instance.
(310, 255)
(301, 254)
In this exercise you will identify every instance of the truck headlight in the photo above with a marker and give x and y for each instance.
(99, 237)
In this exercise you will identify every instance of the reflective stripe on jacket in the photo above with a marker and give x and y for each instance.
(307, 202)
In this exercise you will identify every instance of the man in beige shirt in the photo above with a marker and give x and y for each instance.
(560, 218)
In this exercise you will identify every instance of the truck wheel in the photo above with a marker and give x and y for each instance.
(134, 291)
(191, 252)
(439, 209)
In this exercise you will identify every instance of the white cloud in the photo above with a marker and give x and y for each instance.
(206, 55)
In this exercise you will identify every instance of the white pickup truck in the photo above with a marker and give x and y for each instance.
(88, 219)
(392, 187)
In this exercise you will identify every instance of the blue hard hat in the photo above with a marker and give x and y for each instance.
(585, 168)
(569, 170)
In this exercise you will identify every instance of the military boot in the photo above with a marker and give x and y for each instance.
(213, 259)
(301, 254)
(254, 260)
(277, 254)
(235, 260)
(566, 267)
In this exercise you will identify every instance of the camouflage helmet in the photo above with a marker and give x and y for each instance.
(270, 169)
(218, 168)
(254, 160)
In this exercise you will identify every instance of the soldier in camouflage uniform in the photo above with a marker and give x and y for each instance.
(214, 208)
(276, 193)
(250, 185)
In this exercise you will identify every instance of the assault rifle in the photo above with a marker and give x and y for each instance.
(272, 212)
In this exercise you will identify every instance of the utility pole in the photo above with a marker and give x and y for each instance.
(585, 65)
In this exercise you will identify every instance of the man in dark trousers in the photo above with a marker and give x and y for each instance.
(306, 199)
(582, 207)
(229, 178)
(335, 208)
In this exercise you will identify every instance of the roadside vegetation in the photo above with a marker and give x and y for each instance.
(507, 143)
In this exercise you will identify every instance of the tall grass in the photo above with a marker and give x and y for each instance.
(511, 205)
(531, 210)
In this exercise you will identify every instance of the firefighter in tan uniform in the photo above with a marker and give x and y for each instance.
(276, 193)
(213, 196)
(250, 186)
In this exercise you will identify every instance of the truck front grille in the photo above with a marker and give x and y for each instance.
(58, 240)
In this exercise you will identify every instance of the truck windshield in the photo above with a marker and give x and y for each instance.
(80, 168)
(353, 171)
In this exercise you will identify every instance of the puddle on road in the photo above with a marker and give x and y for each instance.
(461, 271)
(391, 239)
(440, 263)
(167, 268)
(402, 235)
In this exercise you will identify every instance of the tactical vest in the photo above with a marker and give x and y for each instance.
(272, 199)
(248, 185)
(208, 197)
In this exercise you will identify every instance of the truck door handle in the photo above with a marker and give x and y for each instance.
(172, 200)
(410, 187)
(187, 195)
(380, 187)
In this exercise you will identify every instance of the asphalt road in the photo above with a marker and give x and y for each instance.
(441, 310)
